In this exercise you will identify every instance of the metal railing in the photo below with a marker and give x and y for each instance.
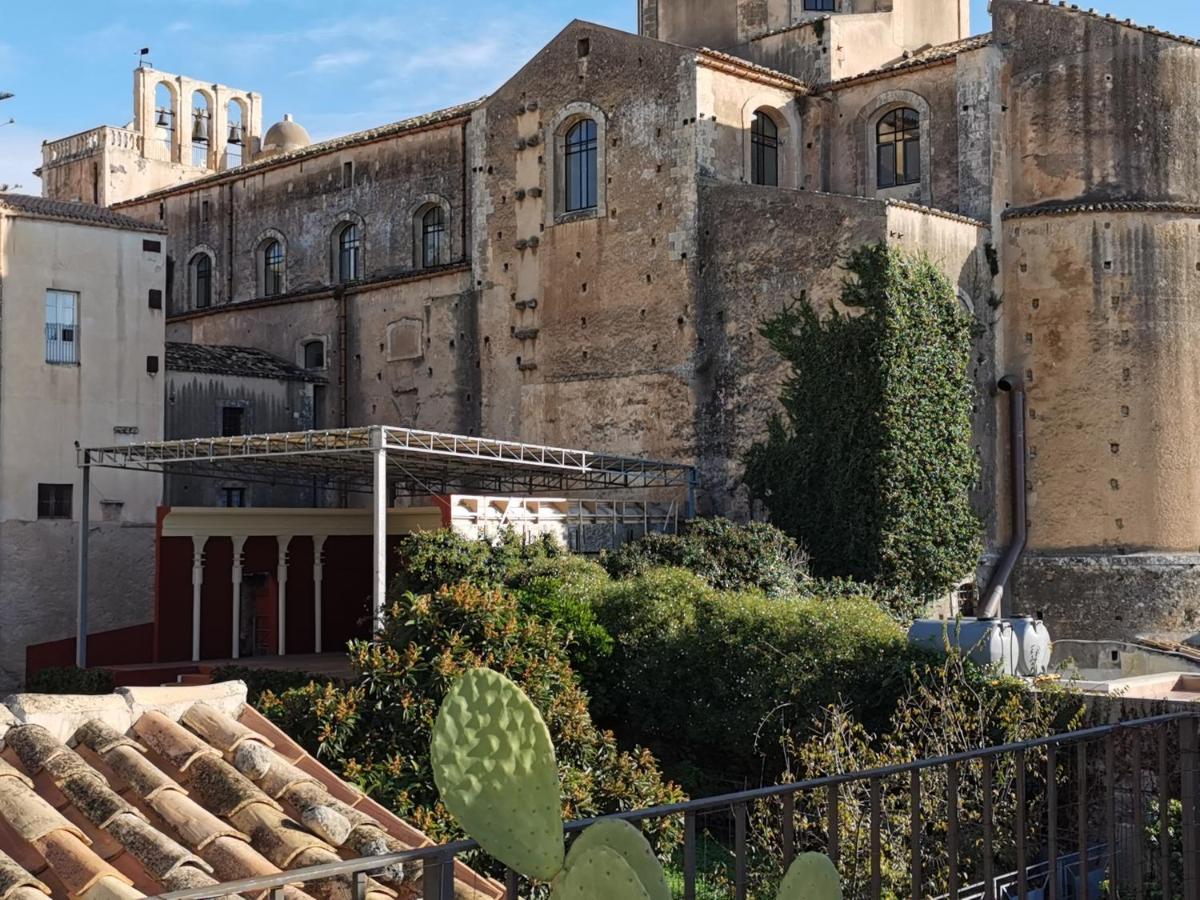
(1099, 789)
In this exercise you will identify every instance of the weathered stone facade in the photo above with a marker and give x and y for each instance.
(1056, 184)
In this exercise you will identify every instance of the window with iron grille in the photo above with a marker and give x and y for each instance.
(272, 269)
(233, 497)
(580, 159)
(349, 253)
(314, 354)
(433, 237)
(54, 501)
(764, 150)
(231, 421)
(62, 328)
(201, 281)
(898, 148)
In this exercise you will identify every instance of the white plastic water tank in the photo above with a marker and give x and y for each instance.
(1015, 646)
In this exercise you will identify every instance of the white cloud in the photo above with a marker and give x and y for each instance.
(329, 62)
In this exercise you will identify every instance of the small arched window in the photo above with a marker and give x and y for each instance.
(433, 237)
(898, 148)
(201, 277)
(272, 268)
(580, 158)
(314, 354)
(349, 259)
(764, 150)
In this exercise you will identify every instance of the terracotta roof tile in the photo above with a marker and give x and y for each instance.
(14, 878)
(248, 362)
(202, 796)
(76, 213)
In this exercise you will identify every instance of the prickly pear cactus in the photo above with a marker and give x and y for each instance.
(494, 766)
(811, 876)
(631, 845)
(598, 873)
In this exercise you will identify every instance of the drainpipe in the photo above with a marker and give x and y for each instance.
(1016, 416)
(339, 294)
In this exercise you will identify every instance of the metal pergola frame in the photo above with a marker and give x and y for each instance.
(376, 459)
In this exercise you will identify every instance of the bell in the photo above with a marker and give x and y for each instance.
(162, 118)
(200, 129)
(235, 134)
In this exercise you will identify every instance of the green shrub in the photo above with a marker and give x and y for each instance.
(429, 560)
(702, 675)
(727, 555)
(871, 467)
(376, 730)
(71, 680)
(547, 580)
(260, 681)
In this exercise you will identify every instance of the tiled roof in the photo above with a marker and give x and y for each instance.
(78, 213)
(358, 137)
(753, 70)
(246, 362)
(1059, 208)
(929, 56)
(164, 789)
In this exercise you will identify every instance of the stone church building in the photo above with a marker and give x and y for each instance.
(582, 258)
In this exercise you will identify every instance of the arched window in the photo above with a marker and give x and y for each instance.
(580, 166)
(898, 148)
(433, 237)
(235, 140)
(349, 258)
(272, 268)
(314, 354)
(201, 136)
(764, 150)
(201, 278)
(164, 115)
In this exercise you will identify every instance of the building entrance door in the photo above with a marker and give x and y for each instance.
(258, 633)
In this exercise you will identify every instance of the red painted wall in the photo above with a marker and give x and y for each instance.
(118, 647)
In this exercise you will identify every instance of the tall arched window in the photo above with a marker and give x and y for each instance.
(349, 261)
(433, 237)
(898, 148)
(201, 277)
(764, 150)
(272, 268)
(580, 166)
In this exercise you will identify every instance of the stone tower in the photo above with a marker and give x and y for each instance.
(815, 40)
(182, 129)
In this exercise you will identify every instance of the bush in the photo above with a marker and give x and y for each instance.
(260, 681)
(726, 555)
(872, 465)
(703, 675)
(71, 680)
(548, 581)
(376, 731)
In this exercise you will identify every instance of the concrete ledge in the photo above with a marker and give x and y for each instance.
(63, 714)
(173, 701)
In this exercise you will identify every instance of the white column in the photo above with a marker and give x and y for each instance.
(284, 540)
(318, 578)
(197, 583)
(379, 531)
(239, 542)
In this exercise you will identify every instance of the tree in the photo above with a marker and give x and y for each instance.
(871, 464)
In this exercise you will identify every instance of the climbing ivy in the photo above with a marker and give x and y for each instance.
(870, 465)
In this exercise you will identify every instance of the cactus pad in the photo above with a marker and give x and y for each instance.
(598, 873)
(494, 767)
(811, 876)
(631, 845)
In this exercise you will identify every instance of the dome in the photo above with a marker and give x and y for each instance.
(285, 136)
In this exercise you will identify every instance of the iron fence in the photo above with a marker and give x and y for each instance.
(1121, 798)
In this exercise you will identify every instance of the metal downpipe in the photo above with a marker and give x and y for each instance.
(994, 596)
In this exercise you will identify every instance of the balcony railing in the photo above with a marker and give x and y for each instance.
(88, 142)
(1096, 793)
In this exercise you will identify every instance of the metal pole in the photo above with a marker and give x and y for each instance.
(81, 614)
(380, 501)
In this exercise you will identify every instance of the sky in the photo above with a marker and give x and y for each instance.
(336, 67)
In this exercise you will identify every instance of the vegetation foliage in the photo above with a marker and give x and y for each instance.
(70, 680)
(871, 464)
